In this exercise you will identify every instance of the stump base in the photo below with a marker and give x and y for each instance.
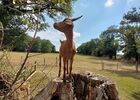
(83, 86)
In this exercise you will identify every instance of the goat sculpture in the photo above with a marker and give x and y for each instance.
(67, 48)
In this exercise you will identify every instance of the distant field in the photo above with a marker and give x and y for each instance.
(128, 82)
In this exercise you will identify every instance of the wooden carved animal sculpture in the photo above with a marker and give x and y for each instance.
(67, 48)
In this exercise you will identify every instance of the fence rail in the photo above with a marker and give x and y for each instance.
(44, 62)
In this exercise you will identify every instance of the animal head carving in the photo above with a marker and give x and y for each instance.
(65, 25)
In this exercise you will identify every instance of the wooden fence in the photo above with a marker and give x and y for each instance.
(44, 62)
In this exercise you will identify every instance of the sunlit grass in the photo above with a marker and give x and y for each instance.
(127, 81)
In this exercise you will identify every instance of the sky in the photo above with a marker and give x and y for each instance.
(98, 15)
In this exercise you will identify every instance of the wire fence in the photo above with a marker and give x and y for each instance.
(116, 66)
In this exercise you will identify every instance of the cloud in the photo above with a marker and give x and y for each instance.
(76, 35)
(132, 1)
(109, 3)
(54, 36)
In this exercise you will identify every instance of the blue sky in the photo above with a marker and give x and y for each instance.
(98, 15)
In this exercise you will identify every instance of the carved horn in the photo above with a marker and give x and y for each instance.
(74, 19)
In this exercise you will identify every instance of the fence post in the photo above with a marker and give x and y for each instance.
(35, 63)
(21, 58)
(102, 65)
(44, 61)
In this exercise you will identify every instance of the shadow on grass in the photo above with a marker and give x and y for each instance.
(136, 95)
(132, 74)
(102, 58)
(123, 62)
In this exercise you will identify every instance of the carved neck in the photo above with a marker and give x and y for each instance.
(69, 37)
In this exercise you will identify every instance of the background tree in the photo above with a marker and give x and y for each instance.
(110, 42)
(98, 51)
(130, 32)
(106, 45)
(87, 48)
(47, 46)
(36, 47)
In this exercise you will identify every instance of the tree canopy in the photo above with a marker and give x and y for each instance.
(106, 45)
(21, 16)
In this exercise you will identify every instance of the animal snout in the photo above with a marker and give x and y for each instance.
(55, 25)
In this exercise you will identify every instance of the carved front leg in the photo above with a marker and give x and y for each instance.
(64, 69)
(59, 66)
(71, 62)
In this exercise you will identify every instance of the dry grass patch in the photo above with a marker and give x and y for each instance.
(128, 82)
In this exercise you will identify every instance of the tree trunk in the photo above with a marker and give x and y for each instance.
(83, 86)
(115, 55)
(137, 64)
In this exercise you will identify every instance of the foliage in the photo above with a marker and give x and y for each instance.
(47, 46)
(51, 7)
(87, 48)
(36, 47)
(130, 29)
(106, 45)
(110, 41)
(20, 16)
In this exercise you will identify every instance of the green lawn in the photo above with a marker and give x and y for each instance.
(127, 81)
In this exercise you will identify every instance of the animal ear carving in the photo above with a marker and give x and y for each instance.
(68, 22)
(74, 19)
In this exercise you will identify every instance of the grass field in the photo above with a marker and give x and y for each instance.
(128, 81)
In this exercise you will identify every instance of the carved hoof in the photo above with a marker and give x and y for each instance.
(70, 76)
(64, 81)
(58, 75)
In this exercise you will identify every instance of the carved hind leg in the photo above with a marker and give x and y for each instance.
(71, 62)
(59, 66)
(67, 65)
(64, 69)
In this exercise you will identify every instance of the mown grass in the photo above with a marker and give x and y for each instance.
(127, 80)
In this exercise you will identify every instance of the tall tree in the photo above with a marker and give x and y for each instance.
(98, 50)
(110, 41)
(130, 29)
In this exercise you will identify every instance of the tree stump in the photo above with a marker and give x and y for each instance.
(82, 86)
